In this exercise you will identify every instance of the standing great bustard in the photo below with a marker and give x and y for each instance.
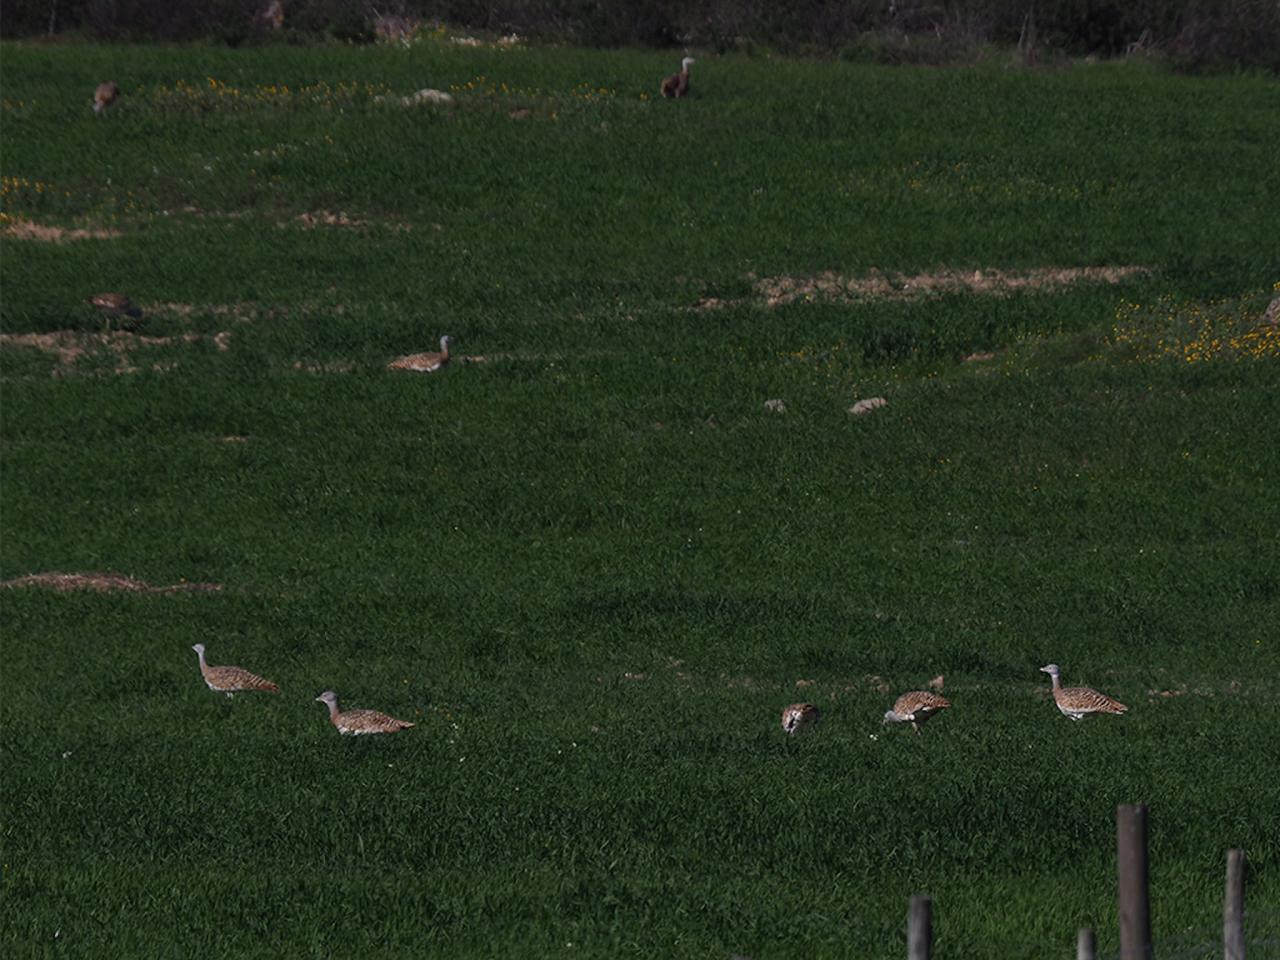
(1078, 702)
(106, 94)
(231, 680)
(800, 718)
(358, 722)
(677, 85)
(428, 362)
(915, 708)
(113, 305)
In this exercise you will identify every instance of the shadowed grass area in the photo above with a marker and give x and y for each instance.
(586, 560)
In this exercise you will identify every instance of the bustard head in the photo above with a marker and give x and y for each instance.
(328, 697)
(890, 717)
(198, 648)
(444, 343)
(1051, 669)
(684, 64)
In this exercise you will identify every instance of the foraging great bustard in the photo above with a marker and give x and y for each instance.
(677, 85)
(428, 362)
(115, 305)
(358, 722)
(915, 708)
(106, 94)
(231, 680)
(800, 718)
(1078, 702)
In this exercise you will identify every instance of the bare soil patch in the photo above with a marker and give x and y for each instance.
(70, 346)
(832, 287)
(244, 310)
(43, 233)
(330, 218)
(103, 583)
(336, 366)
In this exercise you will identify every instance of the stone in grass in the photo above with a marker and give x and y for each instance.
(775, 406)
(426, 96)
(867, 405)
(1272, 315)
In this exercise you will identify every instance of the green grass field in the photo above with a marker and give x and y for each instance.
(594, 568)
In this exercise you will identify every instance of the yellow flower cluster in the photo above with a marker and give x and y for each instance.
(489, 88)
(818, 357)
(16, 107)
(583, 93)
(215, 94)
(17, 186)
(20, 195)
(1195, 331)
(953, 178)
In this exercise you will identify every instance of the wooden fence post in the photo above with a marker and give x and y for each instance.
(1135, 903)
(1086, 945)
(1233, 908)
(920, 928)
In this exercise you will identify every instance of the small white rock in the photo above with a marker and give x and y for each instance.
(867, 405)
(427, 96)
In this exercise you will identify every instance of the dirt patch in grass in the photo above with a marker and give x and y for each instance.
(832, 287)
(335, 366)
(330, 218)
(240, 311)
(43, 233)
(103, 583)
(70, 346)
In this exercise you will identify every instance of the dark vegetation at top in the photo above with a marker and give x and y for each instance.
(1193, 35)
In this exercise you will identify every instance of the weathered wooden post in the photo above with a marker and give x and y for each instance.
(920, 928)
(1233, 908)
(1135, 902)
(1086, 945)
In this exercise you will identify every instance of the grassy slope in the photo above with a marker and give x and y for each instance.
(490, 551)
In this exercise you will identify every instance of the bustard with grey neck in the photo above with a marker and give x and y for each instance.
(677, 85)
(231, 680)
(1078, 702)
(356, 723)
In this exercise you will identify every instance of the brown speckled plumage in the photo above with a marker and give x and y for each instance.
(800, 718)
(916, 707)
(106, 94)
(231, 680)
(115, 305)
(356, 723)
(428, 362)
(1079, 702)
(677, 85)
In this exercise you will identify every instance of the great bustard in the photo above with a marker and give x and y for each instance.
(428, 362)
(800, 718)
(677, 85)
(358, 722)
(231, 680)
(1079, 702)
(915, 708)
(113, 305)
(106, 94)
